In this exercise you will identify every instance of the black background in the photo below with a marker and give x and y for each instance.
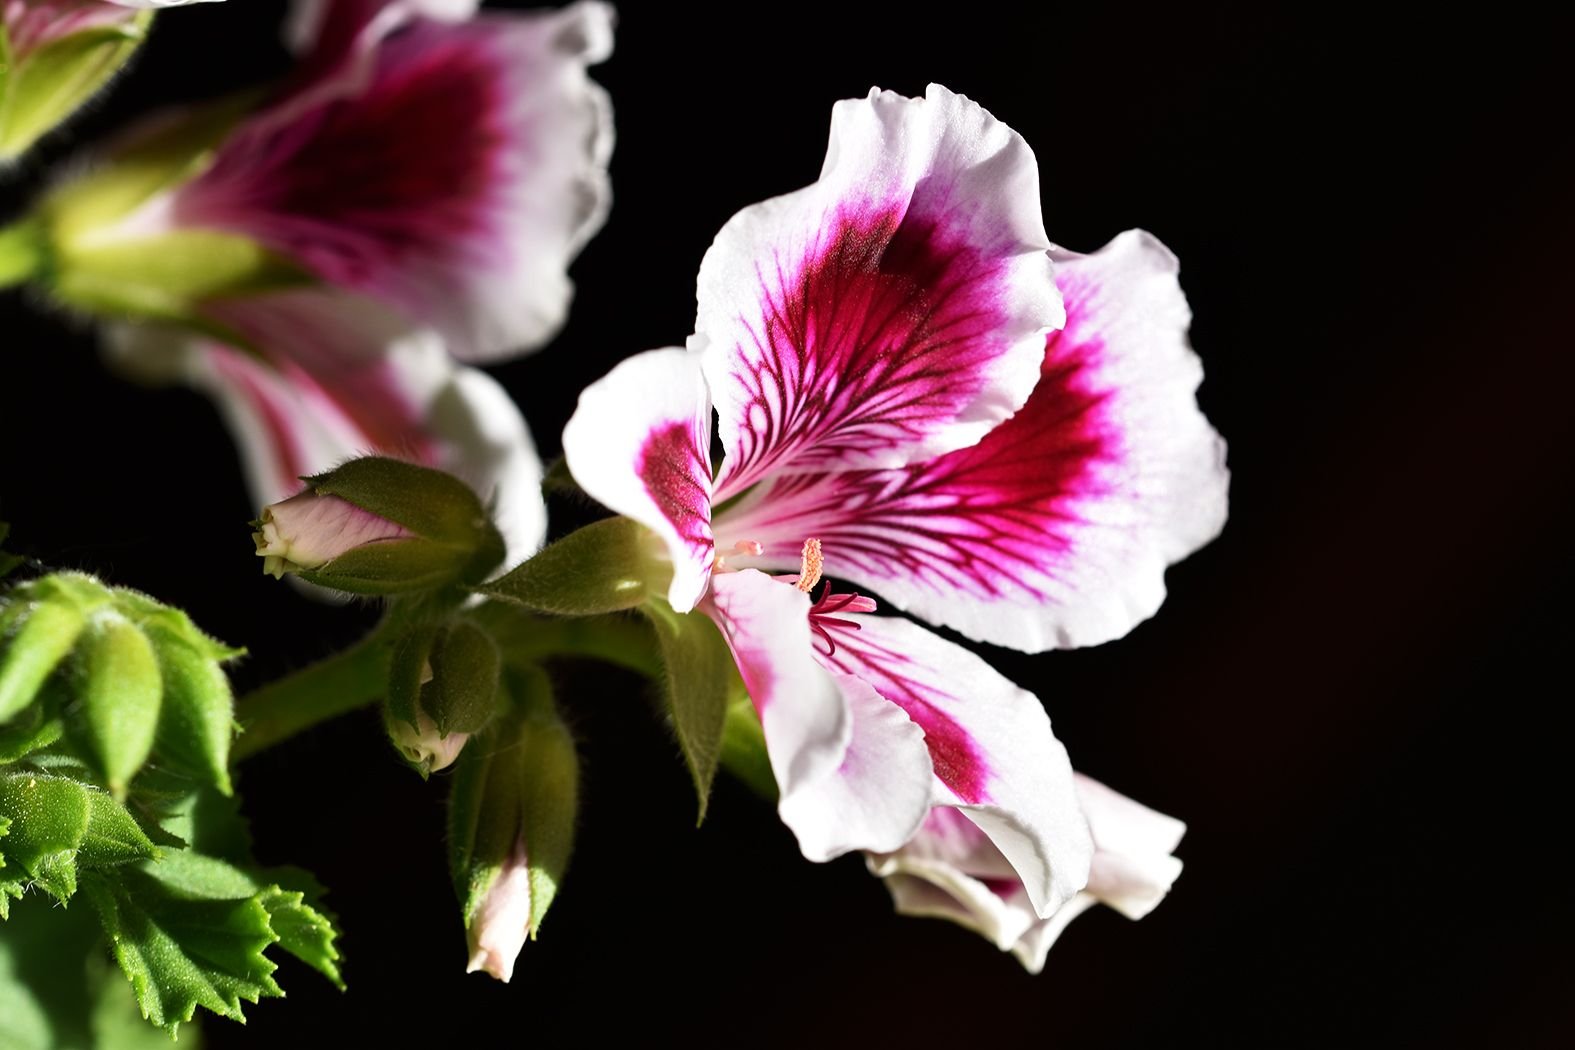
(1343, 695)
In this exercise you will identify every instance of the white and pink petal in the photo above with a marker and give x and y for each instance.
(806, 720)
(878, 796)
(892, 311)
(991, 746)
(448, 170)
(1056, 529)
(639, 442)
(295, 417)
(950, 870)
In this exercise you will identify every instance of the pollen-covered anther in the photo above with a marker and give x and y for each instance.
(810, 566)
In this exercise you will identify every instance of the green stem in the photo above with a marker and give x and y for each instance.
(356, 677)
(622, 639)
(326, 689)
(21, 252)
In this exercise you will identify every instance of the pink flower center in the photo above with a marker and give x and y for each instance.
(821, 615)
(823, 622)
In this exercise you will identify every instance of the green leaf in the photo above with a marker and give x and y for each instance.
(112, 836)
(59, 990)
(602, 568)
(57, 825)
(180, 953)
(48, 817)
(121, 690)
(304, 932)
(701, 679)
(191, 930)
(31, 731)
(744, 748)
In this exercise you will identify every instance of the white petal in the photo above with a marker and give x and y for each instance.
(639, 442)
(1035, 944)
(1133, 868)
(879, 795)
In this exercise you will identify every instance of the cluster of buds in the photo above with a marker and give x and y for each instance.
(117, 673)
(384, 527)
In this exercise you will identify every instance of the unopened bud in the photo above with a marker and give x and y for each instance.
(122, 673)
(511, 825)
(500, 927)
(307, 531)
(423, 745)
(121, 693)
(380, 526)
(442, 688)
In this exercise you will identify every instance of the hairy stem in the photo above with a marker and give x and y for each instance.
(358, 676)
(327, 689)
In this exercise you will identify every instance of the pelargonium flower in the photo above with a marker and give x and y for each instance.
(950, 870)
(55, 54)
(444, 167)
(420, 181)
(903, 402)
(443, 172)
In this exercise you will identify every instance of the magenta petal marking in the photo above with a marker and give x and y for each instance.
(354, 188)
(990, 521)
(674, 473)
(958, 762)
(879, 337)
(34, 24)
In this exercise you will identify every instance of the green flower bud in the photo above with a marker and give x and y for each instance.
(511, 824)
(443, 687)
(39, 625)
(380, 526)
(55, 62)
(121, 691)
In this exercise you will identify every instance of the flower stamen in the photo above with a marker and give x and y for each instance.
(811, 563)
(823, 623)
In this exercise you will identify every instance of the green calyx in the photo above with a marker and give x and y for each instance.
(514, 801)
(99, 244)
(608, 566)
(452, 540)
(40, 89)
